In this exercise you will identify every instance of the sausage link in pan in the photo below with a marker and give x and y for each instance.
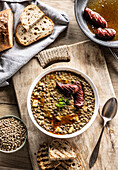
(106, 33)
(95, 18)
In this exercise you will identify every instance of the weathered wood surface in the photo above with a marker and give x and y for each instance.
(8, 106)
(8, 103)
(18, 160)
(6, 95)
(88, 58)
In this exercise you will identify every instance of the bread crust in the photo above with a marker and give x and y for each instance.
(21, 16)
(67, 165)
(5, 42)
(43, 159)
(66, 157)
(18, 40)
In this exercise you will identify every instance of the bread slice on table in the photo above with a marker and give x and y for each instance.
(30, 16)
(61, 149)
(43, 158)
(74, 164)
(40, 30)
(6, 29)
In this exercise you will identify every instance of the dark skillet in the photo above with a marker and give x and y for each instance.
(79, 11)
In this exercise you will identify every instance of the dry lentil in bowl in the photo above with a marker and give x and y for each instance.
(62, 118)
(13, 134)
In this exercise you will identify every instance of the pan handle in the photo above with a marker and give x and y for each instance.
(113, 53)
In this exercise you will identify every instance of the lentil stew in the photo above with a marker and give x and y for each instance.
(54, 110)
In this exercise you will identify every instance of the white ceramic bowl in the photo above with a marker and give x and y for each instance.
(74, 71)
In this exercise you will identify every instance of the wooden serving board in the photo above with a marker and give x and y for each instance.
(87, 57)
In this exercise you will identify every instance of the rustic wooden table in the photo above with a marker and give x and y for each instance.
(8, 102)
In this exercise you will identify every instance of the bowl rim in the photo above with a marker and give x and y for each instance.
(10, 116)
(63, 68)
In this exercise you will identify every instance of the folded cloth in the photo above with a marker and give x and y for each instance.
(13, 59)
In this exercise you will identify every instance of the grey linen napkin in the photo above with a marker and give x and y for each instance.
(13, 59)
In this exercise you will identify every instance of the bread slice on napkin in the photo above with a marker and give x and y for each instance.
(43, 158)
(61, 149)
(30, 16)
(6, 29)
(74, 164)
(40, 30)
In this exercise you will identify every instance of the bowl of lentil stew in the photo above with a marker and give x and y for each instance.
(65, 121)
(13, 134)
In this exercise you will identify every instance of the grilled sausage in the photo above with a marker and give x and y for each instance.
(79, 96)
(106, 33)
(75, 90)
(68, 88)
(95, 18)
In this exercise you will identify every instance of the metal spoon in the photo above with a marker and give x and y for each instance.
(108, 112)
(114, 54)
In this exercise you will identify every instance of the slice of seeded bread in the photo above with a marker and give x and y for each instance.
(74, 164)
(41, 29)
(61, 150)
(30, 16)
(43, 158)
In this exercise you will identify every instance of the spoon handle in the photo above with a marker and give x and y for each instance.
(95, 152)
(114, 54)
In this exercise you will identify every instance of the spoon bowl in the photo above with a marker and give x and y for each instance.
(110, 108)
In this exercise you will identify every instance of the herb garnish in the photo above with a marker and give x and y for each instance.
(62, 102)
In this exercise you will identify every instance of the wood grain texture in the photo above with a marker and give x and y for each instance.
(7, 160)
(112, 67)
(8, 168)
(88, 58)
(72, 35)
(20, 159)
(8, 110)
(7, 95)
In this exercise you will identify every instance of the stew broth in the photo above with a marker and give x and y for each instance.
(107, 9)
